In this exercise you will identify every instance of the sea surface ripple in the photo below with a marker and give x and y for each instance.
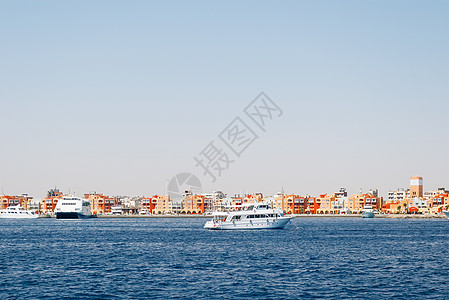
(176, 258)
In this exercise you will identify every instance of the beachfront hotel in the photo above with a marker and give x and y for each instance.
(100, 204)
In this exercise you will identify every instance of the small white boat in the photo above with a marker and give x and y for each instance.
(368, 211)
(17, 212)
(144, 212)
(73, 208)
(446, 213)
(250, 216)
(116, 210)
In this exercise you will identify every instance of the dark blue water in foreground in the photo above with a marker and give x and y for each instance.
(177, 258)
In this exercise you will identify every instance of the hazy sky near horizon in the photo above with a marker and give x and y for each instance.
(119, 96)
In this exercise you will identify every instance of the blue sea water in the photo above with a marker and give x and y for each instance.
(177, 258)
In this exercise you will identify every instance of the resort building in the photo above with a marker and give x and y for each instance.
(23, 200)
(399, 195)
(326, 202)
(211, 200)
(312, 205)
(162, 205)
(192, 204)
(291, 204)
(147, 203)
(357, 202)
(439, 202)
(100, 204)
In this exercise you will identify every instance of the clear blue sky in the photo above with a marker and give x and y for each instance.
(119, 96)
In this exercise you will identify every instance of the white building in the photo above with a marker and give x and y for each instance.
(399, 195)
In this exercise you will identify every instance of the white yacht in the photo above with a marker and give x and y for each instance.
(446, 213)
(250, 216)
(17, 212)
(73, 208)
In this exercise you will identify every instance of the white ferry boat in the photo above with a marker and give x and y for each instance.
(73, 208)
(17, 212)
(250, 216)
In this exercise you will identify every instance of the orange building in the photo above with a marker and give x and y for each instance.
(193, 204)
(291, 204)
(100, 204)
(22, 200)
(48, 204)
(439, 202)
(416, 187)
(147, 203)
(326, 204)
(312, 205)
(161, 205)
(357, 202)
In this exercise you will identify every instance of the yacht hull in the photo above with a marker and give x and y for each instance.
(277, 223)
(72, 215)
(446, 213)
(20, 217)
(367, 214)
(17, 212)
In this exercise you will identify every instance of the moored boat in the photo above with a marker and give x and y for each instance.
(17, 212)
(73, 208)
(368, 211)
(446, 213)
(144, 212)
(251, 216)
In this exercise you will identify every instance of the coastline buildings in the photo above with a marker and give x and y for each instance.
(415, 200)
(23, 200)
(412, 200)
